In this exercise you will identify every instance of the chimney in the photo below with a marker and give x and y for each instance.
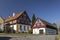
(13, 14)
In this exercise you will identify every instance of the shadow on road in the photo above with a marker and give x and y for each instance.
(5, 38)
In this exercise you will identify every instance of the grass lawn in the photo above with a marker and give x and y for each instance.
(21, 34)
(58, 36)
(16, 34)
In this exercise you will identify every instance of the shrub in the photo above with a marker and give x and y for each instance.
(30, 31)
(7, 28)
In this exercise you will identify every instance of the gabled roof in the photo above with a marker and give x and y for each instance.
(14, 17)
(45, 22)
(38, 24)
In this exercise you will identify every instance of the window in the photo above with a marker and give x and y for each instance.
(28, 27)
(24, 27)
(20, 27)
(14, 21)
(38, 24)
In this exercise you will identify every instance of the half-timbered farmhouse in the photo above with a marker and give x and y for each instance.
(43, 27)
(19, 22)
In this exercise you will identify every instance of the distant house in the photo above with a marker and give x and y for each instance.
(43, 27)
(1, 24)
(19, 22)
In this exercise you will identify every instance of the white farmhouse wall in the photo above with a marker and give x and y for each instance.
(27, 27)
(50, 31)
(2, 27)
(36, 30)
(14, 27)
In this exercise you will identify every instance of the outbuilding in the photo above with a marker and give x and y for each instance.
(43, 27)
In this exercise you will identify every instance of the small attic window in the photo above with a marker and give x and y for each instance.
(39, 24)
(24, 14)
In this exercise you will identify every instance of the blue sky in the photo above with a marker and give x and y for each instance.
(48, 10)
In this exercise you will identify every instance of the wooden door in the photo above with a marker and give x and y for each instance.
(41, 31)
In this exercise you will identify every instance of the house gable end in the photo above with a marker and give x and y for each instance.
(24, 19)
(38, 24)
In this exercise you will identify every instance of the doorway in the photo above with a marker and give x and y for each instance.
(41, 31)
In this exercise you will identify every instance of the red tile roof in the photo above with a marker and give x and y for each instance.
(14, 17)
(45, 22)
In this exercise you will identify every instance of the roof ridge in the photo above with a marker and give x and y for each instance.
(14, 17)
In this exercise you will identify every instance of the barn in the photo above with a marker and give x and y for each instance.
(41, 26)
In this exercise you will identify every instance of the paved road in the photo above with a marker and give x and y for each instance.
(48, 37)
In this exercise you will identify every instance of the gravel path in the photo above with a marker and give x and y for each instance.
(42, 37)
